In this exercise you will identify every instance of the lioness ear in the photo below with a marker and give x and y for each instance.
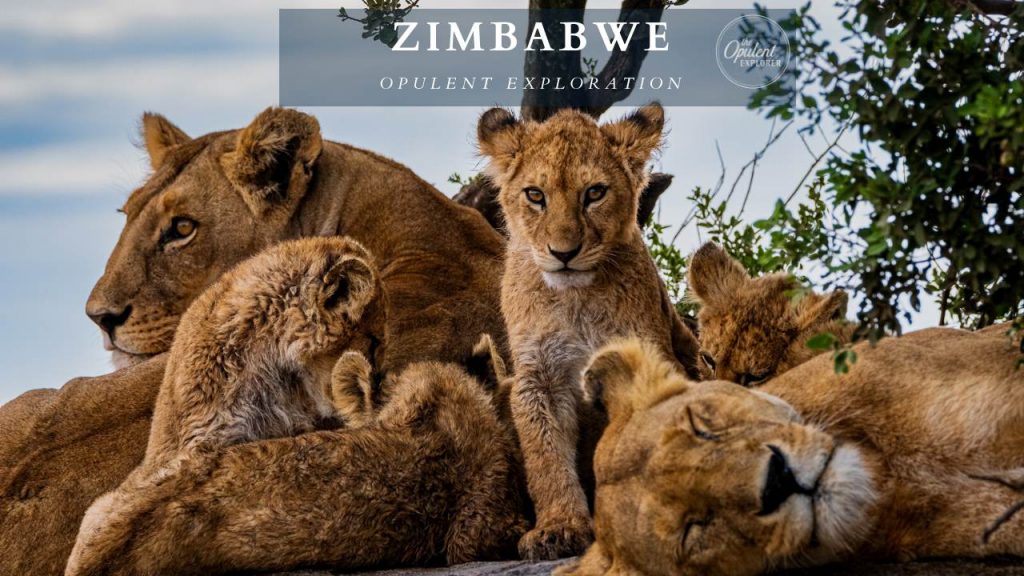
(715, 276)
(160, 135)
(637, 136)
(629, 375)
(499, 135)
(272, 162)
(352, 283)
(822, 310)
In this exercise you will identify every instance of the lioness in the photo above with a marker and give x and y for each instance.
(430, 478)
(752, 329)
(577, 273)
(211, 202)
(915, 453)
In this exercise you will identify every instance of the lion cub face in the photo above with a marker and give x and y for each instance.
(752, 329)
(569, 187)
(713, 478)
(308, 297)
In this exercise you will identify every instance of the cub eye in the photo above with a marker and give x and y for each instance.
(708, 359)
(594, 193)
(535, 196)
(700, 426)
(751, 379)
(181, 230)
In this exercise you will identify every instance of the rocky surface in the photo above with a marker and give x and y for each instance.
(996, 567)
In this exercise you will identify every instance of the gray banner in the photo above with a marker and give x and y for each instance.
(430, 57)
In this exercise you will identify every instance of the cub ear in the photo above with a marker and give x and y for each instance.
(715, 276)
(629, 375)
(821, 310)
(272, 162)
(350, 283)
(159, 136)
(637, 136)
(499, 135)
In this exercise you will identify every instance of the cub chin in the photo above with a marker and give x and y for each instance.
(577, 274)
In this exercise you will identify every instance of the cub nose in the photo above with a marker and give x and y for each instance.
(108, 319)
(566, 257)
(779, 483)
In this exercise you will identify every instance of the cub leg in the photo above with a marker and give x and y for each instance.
(352, 389)
(544, 410)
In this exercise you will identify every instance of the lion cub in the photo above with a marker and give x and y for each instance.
(751, 329)
(254, 354)
(577, 273)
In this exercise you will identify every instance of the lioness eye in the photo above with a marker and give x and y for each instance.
(181, 228)
(708, 359)
(535, 196)
(595, 193)
(699, 426)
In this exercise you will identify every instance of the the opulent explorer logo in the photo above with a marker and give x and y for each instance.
(753, 51)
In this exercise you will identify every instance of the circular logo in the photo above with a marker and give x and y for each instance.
(753, 51)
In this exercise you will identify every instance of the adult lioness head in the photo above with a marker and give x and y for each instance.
(754, 328)
(210, 202)
(712, 478)
(570, 220)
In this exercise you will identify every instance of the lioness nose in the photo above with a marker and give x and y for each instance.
(779, 483)
(566, 257)
(108, 319)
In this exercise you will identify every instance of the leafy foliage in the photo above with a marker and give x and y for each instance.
(783, 242)
(934, 202)
(379, 18)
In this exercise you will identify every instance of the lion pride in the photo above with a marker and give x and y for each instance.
(915, 453)
(211, 202)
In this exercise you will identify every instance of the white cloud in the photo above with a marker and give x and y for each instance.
(81, 167)
(221, 77)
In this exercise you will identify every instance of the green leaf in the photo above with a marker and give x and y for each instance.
(822, 341)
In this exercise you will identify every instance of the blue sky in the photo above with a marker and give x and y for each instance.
(75, 78)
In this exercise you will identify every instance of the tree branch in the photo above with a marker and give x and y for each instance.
(625, 63)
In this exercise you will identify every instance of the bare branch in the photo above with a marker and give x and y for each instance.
(625, 63)
(817, 160)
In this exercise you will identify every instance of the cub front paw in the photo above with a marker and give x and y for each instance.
(554, 540)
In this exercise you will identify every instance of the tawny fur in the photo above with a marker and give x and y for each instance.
(752, 329)
(913, 454)
(430, 478)
(253, 355)
(558, 312)
(439, 262)
(253, 359)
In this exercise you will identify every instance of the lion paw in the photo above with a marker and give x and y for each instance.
(551, 541)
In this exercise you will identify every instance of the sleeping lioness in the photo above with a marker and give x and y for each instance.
(914, 454)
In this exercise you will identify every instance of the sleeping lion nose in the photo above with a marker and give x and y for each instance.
(779, 483)
(108, 319)
(566, 257)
